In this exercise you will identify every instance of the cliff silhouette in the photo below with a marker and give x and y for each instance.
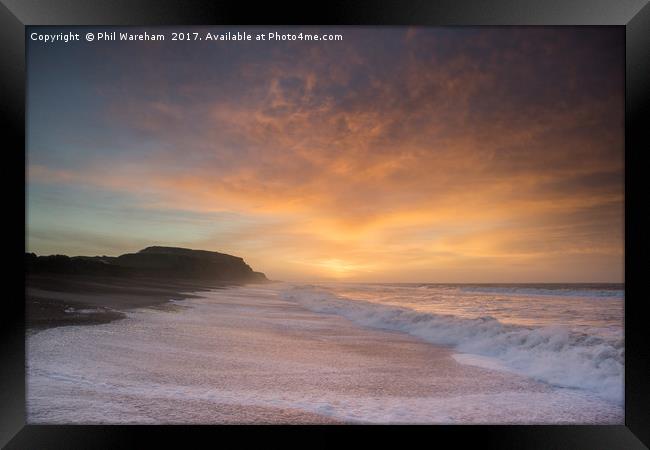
(153, 262)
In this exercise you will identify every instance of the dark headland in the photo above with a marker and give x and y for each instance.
(63, 290)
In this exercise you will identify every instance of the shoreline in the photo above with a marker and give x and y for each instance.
(264, 359)
(54, 300)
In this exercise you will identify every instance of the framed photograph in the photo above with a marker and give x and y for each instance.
(244, 221)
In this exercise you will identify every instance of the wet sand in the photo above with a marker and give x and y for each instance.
(61, 300)
(246, 356)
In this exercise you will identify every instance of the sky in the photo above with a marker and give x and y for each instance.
(395, 155)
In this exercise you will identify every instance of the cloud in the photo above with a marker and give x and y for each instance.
(435, 149)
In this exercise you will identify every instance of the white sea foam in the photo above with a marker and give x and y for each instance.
(232, 349)
(553, 354)
(71, 310)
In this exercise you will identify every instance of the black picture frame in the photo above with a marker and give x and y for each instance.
(633, 15)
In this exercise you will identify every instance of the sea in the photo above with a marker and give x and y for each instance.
(568, 335)
(283, 345)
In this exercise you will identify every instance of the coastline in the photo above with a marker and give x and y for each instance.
(54, 300)
(264, 359)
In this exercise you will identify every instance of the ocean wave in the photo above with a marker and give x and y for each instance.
(559, 291)
(554, 354)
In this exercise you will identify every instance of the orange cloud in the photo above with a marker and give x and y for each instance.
(433, 170)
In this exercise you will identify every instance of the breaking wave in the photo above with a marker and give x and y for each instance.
(553, 354)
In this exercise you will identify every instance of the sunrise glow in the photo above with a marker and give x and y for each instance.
(482, 155)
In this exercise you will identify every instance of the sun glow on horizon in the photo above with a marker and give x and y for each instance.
(476, 155)
(338, 268)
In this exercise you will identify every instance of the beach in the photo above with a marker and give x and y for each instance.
(54, 300)
(361, 225)
(253, 355)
